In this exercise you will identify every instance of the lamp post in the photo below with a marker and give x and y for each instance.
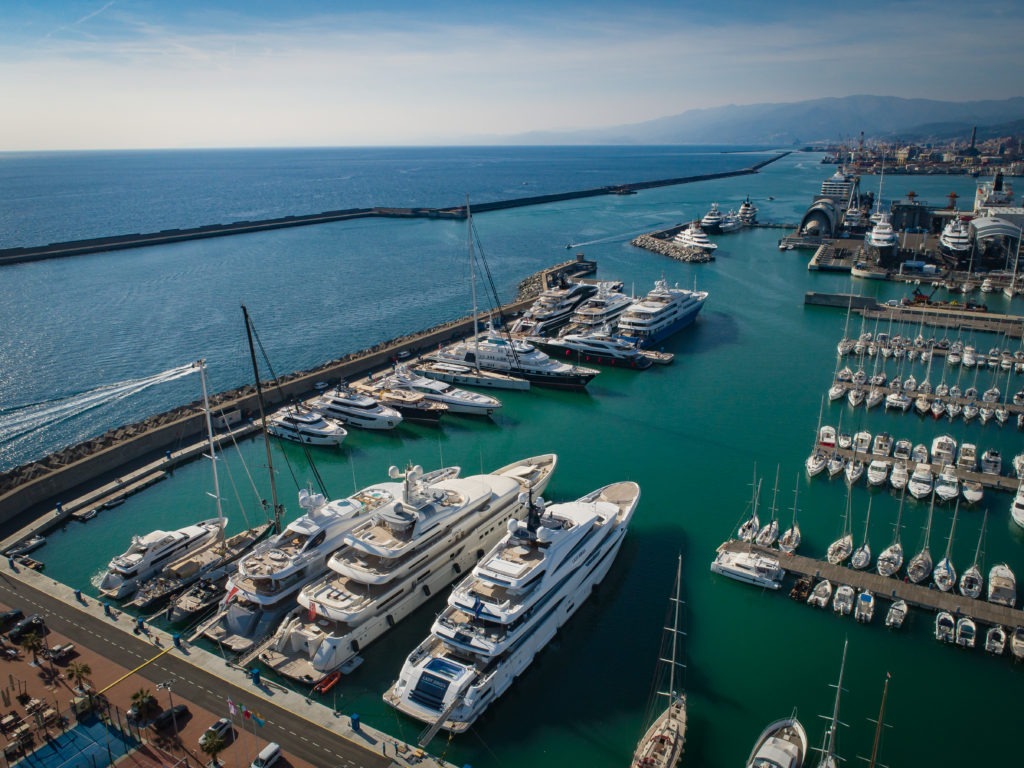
(166, 685)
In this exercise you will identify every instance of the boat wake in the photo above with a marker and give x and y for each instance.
(612, 238)
(19, 420)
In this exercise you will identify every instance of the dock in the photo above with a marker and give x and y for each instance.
(888, 587)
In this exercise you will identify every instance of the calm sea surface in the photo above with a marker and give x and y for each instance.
(742, 396)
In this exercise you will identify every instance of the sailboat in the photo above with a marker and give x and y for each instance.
(769, 533)
(891, 559)
(945, 573)
(862, 555)
(791, 538)
(921, 563)
(463, 371)
(749, 528)
(828, 746)
(818, 457)
(971, 582)
(662, 744)
(840, 549)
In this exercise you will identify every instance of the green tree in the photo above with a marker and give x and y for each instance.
(33, 643)
(78, 673)
(213, 745)
(144, 702)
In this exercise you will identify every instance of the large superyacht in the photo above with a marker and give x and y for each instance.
(410, 548)
(660, 314)
(502, 614)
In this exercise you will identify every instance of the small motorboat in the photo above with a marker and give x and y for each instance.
(945, 627)
(328, 681)
(821, 594)
(995, 640)
(865, 607)
(896, 615)
(966, 631)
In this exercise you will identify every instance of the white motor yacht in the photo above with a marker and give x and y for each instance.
(661, 313)
(900, 476)
(881, 236)
(712, 220)
(945, 627)
(821, 594)
(1002, 585)
(457, 400)
(747, 213)
(956, 236)
(695, 238)
(865, 610)
(305, 426)
(503, 613)
(552, 309)
(149, 554)
(783, 744)
(920, 482)
(356, 409)
(601, 309)
(947, 485)
(896, 614)
(966, 632)
(410, 548)
(944, 450)
(596, 348)
(1017, 506)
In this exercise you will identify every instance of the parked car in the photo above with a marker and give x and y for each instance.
(9, 618)
(221, 728)
(33, 623)
(174, 716)
(267, 757)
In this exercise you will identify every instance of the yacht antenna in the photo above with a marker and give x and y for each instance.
(201, 365)
(263, 419)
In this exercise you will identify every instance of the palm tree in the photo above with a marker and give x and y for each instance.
(33, 643)
(78, 673)
(143, 702)
(213, 746)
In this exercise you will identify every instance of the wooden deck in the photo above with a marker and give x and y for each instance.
(889, 588)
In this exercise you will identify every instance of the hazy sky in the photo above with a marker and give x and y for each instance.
(178, 73)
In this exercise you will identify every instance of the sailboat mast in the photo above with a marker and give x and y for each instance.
(213, 451)
(263, 419)
(472, 270)
(878, 724)
(675, 630)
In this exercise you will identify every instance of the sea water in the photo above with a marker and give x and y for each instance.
(742, 397)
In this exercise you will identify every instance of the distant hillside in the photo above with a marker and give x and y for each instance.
(803, 122)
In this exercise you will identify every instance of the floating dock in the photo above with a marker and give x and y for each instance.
(888, 587)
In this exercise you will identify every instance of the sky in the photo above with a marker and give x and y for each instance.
(109, 74)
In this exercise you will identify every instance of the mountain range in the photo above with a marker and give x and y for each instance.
(807, 122)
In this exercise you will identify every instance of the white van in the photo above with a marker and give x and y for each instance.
(268, 756)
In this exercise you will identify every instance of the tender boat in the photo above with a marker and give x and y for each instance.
(661, 313)
(309, 427)
(783, 744)
(518, 596)
(149, 554)
(412, 547)
(750, 568)
(896, 614)
(966, 631)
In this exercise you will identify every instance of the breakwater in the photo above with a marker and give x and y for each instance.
(35, 487)
(168, 236)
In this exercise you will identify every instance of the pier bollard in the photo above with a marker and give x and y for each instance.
(106, 609)
(254, 675)
(59, 507)
(10, 563)
(78, 595)
(140, 624)
(355, 722)
(177, 640)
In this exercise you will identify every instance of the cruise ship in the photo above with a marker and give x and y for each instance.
(694, 237)
(503, 614)
(412, 547)
(840, 187)
(265, 586)
(493, 352)
(993, 194)
(660, 314)
(552, 309)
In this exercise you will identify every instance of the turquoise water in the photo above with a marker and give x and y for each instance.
(745, 390)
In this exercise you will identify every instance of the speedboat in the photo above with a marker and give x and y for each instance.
(750, 568)
(821, 594)
(412, 547)
(865, 610)
(945, 627)
(842, 602)
(966, 631)
(995, 640)
(149, 554)
(305, 426)
(503, 613)
(1002, 585)
(896, 614)
(695, 238)
(661, 313)
(356, 409)
(783, 744)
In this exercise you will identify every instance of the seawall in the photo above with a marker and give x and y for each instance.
(164, 237)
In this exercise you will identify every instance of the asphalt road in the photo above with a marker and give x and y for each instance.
(298, 736)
